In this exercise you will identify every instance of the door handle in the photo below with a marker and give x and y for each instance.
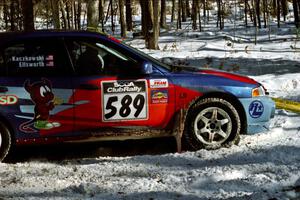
(3, 89)
(88, 87)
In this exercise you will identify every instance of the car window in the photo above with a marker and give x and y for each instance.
(38, 57)
(96, 58)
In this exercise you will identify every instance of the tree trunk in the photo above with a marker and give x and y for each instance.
(55, 14)
(147, 23)
(27, 11)
(63, 12)
(199, 15)
(112, 16)
(67, 6)
(151, 13)
(73, 15)
(12, 16)
(179, 14)
(254, 13)
(163, 14)
(183, 10)
(265, 13)
(246, 11)
(222, 15)
(48, 5)
(129, 15)
(173, 10)
(278, 13)
(5, 14)
(122, 18)
(204, 8)
(188, 9)
(19, 14)
(296, 13)
(284, 9)
(92, 14)
(274, 7)
(153, 39)
(257, 6)
(194, 14)
(101, 14)
(207, 12)
(78, 15)
(219, 18)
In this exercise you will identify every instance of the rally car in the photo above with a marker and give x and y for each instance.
(65, 86)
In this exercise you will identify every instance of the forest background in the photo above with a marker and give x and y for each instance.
(109, 15)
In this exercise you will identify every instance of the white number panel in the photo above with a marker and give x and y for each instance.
(124, 100)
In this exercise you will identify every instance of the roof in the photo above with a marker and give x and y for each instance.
(7, 36)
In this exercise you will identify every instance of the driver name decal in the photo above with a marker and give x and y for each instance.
(124, 100)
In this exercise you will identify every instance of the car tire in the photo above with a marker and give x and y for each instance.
(5, 141)
(212, 123)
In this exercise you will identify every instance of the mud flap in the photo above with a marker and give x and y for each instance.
(178, 129)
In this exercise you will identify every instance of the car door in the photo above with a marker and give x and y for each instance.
(36, 85)
(113, 92)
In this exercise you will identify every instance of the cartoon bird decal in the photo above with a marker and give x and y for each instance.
(42, 96)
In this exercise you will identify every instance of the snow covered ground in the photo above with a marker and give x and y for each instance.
(262, 166)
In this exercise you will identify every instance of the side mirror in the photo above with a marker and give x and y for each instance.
(147, 68)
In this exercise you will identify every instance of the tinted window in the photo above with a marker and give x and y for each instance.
(38, 57)
(94, 57)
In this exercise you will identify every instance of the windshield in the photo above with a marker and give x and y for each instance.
(147, 57)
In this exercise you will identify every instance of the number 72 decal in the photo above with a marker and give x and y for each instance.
(124, 100)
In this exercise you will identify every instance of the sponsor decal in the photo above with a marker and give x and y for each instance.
(121, 86)
(8, 100)
(256, 109)
(159, 83)
(124, 100)
(159, 96)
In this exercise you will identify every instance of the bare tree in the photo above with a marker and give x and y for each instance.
(78, 18)
(173, 10)
(179, 14)
(257, 7)
(12, 16)
(101, 14)
(122, 18)
(296, 12)
(284, 9)
(111, 4)
(146, 19)
(5, 14)
(92, 13)
(246, 12)
(27, 11)
(154, 34)
(278, 13)
(63, 13)
(183, 12)
(220, 14)
(188, 9)
(69, 15)
(55, 14)
(163, 14)
(129, 15)
(265, 11)
(194, 14)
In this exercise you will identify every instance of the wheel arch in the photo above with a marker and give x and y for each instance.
(9, 127)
